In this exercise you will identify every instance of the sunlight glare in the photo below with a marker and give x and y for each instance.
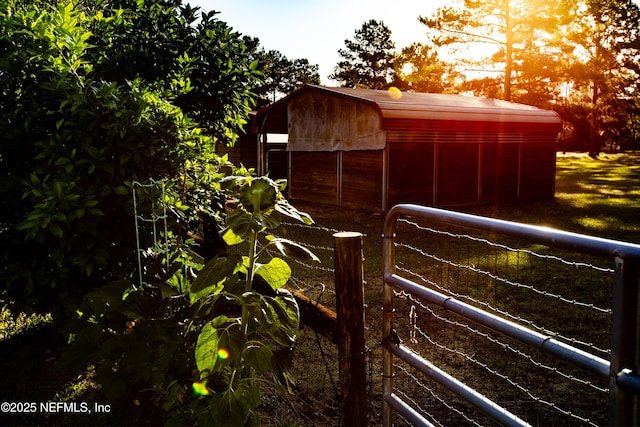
(394, 93)
(200, 388)
(223, 354)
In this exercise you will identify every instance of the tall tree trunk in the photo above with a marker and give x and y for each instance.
(594, 140)
(509, 52)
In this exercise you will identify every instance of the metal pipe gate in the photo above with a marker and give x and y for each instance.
(621, 370)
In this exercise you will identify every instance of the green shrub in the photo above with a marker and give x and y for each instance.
(81, 120)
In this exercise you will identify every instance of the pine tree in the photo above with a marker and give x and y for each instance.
(367, 61)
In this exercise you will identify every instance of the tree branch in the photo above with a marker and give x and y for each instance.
(486, 39)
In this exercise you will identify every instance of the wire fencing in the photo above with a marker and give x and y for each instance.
(314, 279)
(316, 400)
(560, 297)
(317, 360)
(150, 219)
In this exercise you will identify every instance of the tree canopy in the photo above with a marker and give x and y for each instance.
(418, 68)
(579, 57)
(367, 60)
(93, 97)
(109, 111)
(281, 76)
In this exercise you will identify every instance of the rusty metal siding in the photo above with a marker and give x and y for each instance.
(313, 177)
(537, 171)
(361, 179)
(499, 172)
(455, 168)
(411, 173)
(395, 124)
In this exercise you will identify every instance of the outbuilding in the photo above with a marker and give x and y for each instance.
(372, 149)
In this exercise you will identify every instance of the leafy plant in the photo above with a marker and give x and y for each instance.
(195, 341)
(83, 115)
(260, 334)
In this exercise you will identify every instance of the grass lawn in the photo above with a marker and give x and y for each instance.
(600, 197)
(596, 197)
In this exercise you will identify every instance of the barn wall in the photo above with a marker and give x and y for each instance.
(323, 122)
(313, 177)
(499, 177)
(477, 127)
(456, 174)
(411, 173)
(362, 179)
(473, 164)
(537, 171)
(339, 146)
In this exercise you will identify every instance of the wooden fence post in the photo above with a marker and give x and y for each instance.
(349, 279)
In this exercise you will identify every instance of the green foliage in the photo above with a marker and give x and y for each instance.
(281, 76)
(91, 101)
(367, 60)
(232, 349)
(507, 32)
(199, 347)
(417, 68)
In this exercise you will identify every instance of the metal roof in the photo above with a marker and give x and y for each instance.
(393, 104)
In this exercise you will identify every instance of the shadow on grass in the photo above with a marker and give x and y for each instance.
(32, 383)
(597, 197)
(29, 378)
(600, 196)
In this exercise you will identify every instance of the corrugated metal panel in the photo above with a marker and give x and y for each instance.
(456, 175)
(361, 178)
(314, 177)
(415, 107)
(480, 127)
(411, 172)
(537, 171)
(435, 106)
(499, 165)
(468, 137)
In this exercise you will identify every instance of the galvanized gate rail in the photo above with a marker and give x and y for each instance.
(621, 371)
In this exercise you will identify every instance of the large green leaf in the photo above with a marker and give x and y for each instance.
(285, 208)
(258, 355)
(220, 342)
(295, 250)
(268, 220)
(276, 273)
(279, 317)
(207, 349)
(245, 224)
(231, 238)
(215, 273)
(233, 407)
(287, 310)
(242, 224)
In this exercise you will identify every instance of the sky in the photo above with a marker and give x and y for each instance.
(316, 29)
